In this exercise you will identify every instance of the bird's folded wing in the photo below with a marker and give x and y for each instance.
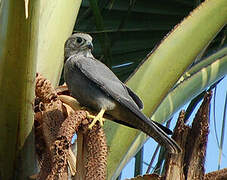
(136, 98)
(104, 78)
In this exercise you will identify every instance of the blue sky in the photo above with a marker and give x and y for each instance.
(212, 156)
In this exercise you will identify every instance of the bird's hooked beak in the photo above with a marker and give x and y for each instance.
(89, 45)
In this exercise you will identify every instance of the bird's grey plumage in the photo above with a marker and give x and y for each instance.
(94, 85)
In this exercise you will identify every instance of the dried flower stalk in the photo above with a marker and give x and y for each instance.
(55, 125)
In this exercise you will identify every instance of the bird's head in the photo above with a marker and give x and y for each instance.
(78, 43)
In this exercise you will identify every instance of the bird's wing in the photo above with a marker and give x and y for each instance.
(136, 98)
(103, 77)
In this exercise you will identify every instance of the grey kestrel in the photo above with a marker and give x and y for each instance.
(95, 86)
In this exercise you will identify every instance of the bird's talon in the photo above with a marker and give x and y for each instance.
(89, 116)
(92, 124)
(99, 118)
(101, 121)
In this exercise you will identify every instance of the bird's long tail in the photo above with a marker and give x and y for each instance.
(135, 118)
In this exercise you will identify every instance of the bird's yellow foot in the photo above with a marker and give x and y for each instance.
(99, 118)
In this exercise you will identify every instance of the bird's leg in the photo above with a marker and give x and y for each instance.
(99, 118)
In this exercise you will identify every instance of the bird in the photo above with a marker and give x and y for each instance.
(95, 86)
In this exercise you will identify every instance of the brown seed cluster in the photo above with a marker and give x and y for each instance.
(55, 125)
(97, 153)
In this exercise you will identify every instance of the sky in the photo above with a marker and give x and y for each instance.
(212, 156)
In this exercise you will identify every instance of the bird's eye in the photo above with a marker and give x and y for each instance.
(79, 40)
